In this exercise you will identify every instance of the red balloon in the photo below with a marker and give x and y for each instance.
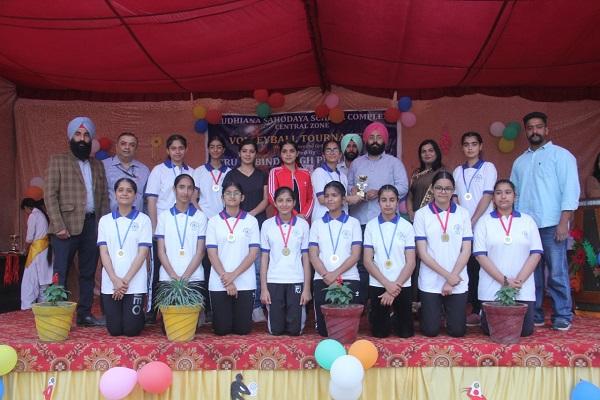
(336, 115)
(155, 377)
(261, 95)
(105, 143)
(213, 116)
(391, 115)
(322, 111)
(276, 100)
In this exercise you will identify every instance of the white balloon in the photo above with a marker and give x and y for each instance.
(37, 181)
(347, 371)
(497, 128)
(340, 393)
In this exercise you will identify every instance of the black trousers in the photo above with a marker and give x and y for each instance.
(232, 314)
(125, 316)
(473, 272)
(319, 299)
(153, 276)
(432, 306)
(84, 245)
(397, 316)
(363, 275)
(527, 322)
(286, 315)
(206, 267)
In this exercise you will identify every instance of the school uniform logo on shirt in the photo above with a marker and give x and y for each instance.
(134, 226)
(457, 229)
(346, 234)
(525, 234)
(194, 226)
(247, 232)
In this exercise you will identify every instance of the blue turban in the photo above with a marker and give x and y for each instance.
(355, 138)
(78, 122)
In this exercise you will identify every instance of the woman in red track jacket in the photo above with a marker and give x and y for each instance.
(297, 179)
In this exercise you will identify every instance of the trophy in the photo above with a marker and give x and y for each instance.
(13, 242)
(361, 185)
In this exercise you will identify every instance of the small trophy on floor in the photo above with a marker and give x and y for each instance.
(361, 185)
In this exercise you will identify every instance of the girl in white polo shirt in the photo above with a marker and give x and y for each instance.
(285, 270)
(124, 237)
(334, 249)
(443, 236)
(232, 242)
(181, 231)
(209, 178)
(389, 256)
(508, 248)
(325, 173)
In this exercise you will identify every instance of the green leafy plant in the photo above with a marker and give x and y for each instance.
(178, 292)
(55, 292)
(339, 294)
(507, 296)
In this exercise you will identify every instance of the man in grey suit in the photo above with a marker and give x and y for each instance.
(76, 197)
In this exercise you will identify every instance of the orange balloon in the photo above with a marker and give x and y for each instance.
(336, 115)
(199, 111)
(365, 351)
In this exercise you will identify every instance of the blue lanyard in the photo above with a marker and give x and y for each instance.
(388, 250)
(121, 243)
(339, 232)
(182, 240)
(470, 181)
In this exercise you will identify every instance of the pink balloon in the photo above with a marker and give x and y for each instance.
(497, 128)
(332, 100)
(155, 377)
(117, 383)
(37, 181)
(95, 146)
(408, 119)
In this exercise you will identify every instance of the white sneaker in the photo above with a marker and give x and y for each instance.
(258, 315)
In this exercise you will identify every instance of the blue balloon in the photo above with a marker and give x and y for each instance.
(101, 155)
(327, 351)
(1, 387)
(585, 390)
(201, 126)
(598, 258)
(405, 103)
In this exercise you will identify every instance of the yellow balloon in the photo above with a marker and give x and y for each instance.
(506, 146)
(199, 111)
(8, 359)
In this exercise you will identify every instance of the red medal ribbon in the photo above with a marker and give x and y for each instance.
(437, 214)
(510, 219)
(237, 219)
(216, 181)
(284, 237)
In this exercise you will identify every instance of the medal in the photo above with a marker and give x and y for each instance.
(231, 237)
(181, 252)
(285, 251)
(121, 252)
(334, 258)
(388, 263)
(507, 238)
(388, 250)
(445, 237)
(216, 188)
(444, 225)
(468, 196)
(231, 234)
(181, 239)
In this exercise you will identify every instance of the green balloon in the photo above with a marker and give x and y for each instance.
(328, 351)
(263, 110)
(510, 133)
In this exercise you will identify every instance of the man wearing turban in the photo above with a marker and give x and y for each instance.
(351, 146)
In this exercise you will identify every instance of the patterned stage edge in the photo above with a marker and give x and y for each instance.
(94, 349)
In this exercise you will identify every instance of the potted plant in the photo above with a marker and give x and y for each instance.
(54, 317)
(341, 318)
(180, 303)
(505, 316)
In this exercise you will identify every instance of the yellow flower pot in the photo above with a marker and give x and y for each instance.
(180, 322)
(53, 323)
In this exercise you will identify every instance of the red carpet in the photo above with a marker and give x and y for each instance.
(94, 349)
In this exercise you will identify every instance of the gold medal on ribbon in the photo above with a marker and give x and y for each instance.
(285, 251)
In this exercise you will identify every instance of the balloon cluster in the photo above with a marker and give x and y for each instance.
(101, 148)
(267, 102)
(585, 390)
(401, 112)
(204, 117)
(118, 382)
(8, 360)
(507, 134)
(331, 109)
(347, 370)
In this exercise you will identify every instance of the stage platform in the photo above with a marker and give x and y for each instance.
(410, 366)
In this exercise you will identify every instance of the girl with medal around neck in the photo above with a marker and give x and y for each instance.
(508, 248)
(443, 237)
(389, 256)
(209, 178)
(232, 242)
(124, 237)
(285, 269)
(334, 249)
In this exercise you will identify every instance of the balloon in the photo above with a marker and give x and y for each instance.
(155, 377)
(213, 116)
(101, 155)
(37, 181)
(8, 359)
(347, 371)
(496, 128)
(340, 393)
(328, 351)
(276, 100)
(105, 143)
(117, 382)
(95, 146)
(598, 258)
(408, 119)
(322, 111)
(405, 103)
(201, 126)
(1, 387)
(263, 110)
(261, 95)
(336, 115)
(391, 115)
(511, 131)
(332, 100)
(365, 351)
(585, 390)
(506, 146)
(199, 111)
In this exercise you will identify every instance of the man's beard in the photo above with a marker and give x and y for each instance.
(535, 139)
(375, 149)
(350, 155)
(81, 149)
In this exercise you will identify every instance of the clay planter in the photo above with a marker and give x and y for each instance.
(53, 323)
(180, 322)
(342, 321)
(505, 322)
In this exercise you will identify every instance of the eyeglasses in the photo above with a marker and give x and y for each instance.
(232, 194)
(331, 151)
(446, 189)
